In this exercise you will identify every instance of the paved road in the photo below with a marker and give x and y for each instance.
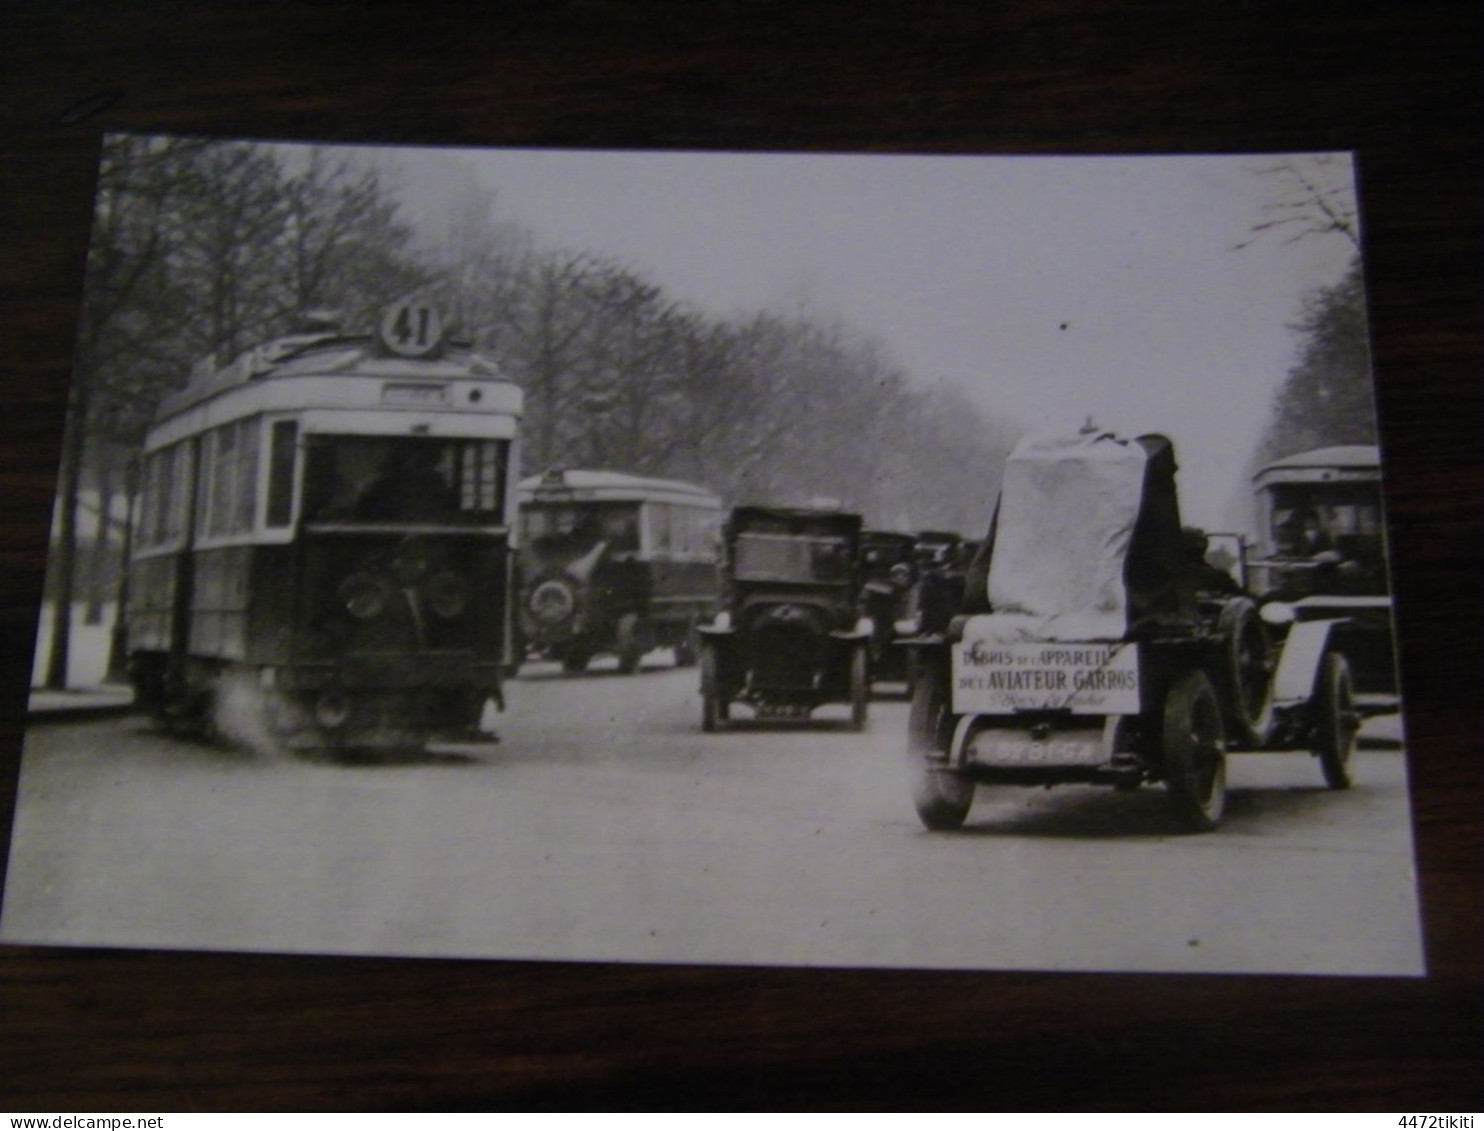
(606, 826)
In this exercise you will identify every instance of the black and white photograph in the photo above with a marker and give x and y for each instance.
(760, 559)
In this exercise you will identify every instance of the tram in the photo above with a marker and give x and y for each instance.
(324, 552)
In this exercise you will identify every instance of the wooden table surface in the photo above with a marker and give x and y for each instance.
(117, 1030)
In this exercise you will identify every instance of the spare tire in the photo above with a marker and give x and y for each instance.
(552, 599)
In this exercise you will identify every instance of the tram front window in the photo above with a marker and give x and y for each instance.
(379, 479)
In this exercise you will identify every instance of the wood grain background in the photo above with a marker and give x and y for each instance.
(89, 1030)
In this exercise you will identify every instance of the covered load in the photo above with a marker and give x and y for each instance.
(1085, 544)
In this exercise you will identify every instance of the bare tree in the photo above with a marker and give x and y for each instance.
(1327, 396)
(201, 248)
(1316, 197)
(139, 184)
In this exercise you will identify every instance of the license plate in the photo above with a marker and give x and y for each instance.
(1013, 749)
(414, 395)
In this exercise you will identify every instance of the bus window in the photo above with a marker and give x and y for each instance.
(661, 532)
(621, 529)
(573, 529)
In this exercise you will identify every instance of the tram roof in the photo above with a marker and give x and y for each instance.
(328, 355)
(611, 485)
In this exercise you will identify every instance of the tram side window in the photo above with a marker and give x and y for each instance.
(163, 490)
(284, 444)
(246, 501)
(229, 487)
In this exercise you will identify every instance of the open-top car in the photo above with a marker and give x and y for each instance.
(790, 636)
(1089, 649)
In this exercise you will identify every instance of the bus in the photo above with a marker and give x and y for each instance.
(615, 563)
(323, 554)
(1321, 553)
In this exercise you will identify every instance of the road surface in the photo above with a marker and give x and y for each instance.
(605, 826)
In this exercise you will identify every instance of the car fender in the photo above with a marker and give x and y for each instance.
(1298, 667)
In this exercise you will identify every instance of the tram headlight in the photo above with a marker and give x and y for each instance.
(447, 595)
(364, 596)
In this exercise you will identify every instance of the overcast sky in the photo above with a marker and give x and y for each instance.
(1052, 289)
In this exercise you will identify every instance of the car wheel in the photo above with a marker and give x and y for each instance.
(860, 689)
(1195, 753)
(1336, 721)
(575, 661)
(714, 707)
(1247, 672)
(942, 797)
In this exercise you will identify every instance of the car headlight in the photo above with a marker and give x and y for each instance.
(1277, 613)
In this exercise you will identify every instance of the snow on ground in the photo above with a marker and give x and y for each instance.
(87, 657)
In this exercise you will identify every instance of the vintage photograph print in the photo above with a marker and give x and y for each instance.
(810, 560)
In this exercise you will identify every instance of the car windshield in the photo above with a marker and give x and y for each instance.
(782, 557)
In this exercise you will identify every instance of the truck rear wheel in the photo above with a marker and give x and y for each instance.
(942, 797)
(1194, 752)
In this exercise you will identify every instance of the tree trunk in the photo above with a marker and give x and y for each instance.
(98, 566)
(64, 562)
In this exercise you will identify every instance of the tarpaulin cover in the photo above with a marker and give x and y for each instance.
(1068, 509)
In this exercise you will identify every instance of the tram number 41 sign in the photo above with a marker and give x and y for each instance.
(412, 329)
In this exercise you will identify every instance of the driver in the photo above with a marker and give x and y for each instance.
(1205, 577)
(407, 486)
